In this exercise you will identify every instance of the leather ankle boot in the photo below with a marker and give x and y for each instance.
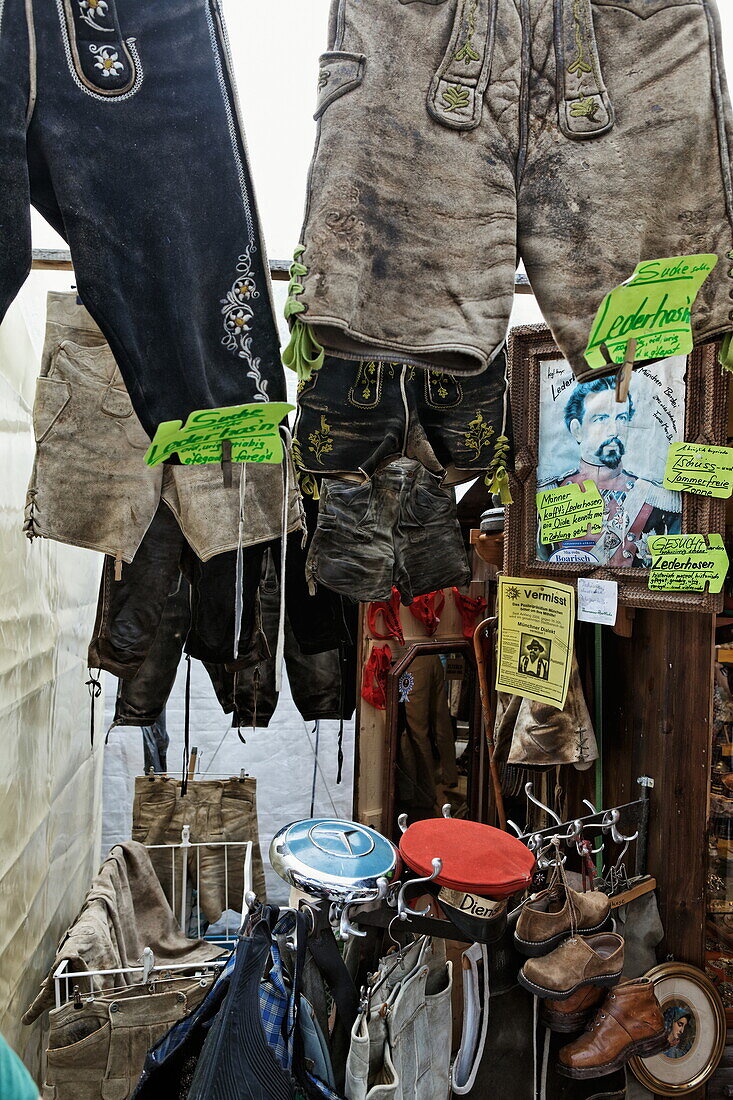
(573, 1014)
(628, 1022)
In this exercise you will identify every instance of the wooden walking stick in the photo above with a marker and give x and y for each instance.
(488, 717)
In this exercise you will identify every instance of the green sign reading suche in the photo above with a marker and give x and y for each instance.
(686, 563)
(252, 431)
(653, 307)
(568, 512)
(699, 468)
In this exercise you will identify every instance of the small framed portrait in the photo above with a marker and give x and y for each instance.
(534, 656)
(571, 433)
(694, 1018)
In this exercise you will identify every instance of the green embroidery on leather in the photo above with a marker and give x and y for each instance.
(478, 436)
(320, 442)
(437, 377)
(579, 65)
(466, 52)
(585, 108)
(455, 98)
(306, 481)
(367, 376)
(366, 392)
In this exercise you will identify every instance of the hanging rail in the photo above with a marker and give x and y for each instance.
(59, 259)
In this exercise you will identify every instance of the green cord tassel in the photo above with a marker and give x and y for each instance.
(303, 354)
(499, 482)
(725, 356)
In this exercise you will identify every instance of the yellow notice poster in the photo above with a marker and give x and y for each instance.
(536, 620)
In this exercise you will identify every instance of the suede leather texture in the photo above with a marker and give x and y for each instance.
(456, 137)
(119, 123)
(355, 418)
(124, 911)
(537, 923)
(90, 485)
(577, 960)
(400, 528)
(216, 810)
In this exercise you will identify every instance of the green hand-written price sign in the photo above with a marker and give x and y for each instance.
(685, 563)
(653, 307)
(252, 431)
(699, 468)
(568, 512)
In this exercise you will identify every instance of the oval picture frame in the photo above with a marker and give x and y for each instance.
(695, 1019)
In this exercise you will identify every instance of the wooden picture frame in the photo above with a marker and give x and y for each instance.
(686, 992)
(706, 418)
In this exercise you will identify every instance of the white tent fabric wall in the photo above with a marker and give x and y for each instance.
(281, 758)
(50, 781)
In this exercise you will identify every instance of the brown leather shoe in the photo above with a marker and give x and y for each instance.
(546, 922)
(580, 961)
(628, 1022)
(574, 1013)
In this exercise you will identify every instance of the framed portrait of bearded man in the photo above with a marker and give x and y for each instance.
(570, 433)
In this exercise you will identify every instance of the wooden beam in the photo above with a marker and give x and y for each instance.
(59, 259)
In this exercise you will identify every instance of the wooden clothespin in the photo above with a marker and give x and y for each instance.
(192, 763)
(623, 377)
(226, 462)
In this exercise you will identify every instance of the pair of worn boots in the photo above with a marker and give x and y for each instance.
(571, 964)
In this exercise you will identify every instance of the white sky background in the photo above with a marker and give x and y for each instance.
(276, 45)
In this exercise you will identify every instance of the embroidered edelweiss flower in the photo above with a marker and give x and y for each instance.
(94, 7)
(244, 287)
(108, 62)
(237, 321)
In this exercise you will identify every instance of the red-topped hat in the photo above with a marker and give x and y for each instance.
(477, 859)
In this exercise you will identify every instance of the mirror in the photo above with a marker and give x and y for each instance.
(434, 745)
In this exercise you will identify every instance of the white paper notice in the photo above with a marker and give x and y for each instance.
(597, 601)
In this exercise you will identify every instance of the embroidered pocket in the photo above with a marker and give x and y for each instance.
(339, 73)
(645, 8)
(102, 62)
(442, 391)
(52, 397)
(366, 392)
(116, 401)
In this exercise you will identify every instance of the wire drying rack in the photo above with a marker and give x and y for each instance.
(72, 985)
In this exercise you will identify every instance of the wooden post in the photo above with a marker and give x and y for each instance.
(658, 722)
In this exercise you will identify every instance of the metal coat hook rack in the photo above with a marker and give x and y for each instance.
(622, 825)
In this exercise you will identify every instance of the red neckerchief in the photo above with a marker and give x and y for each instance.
(428, 609)
(588, 866)
(374, 682)
(390, 612)
(470, 608)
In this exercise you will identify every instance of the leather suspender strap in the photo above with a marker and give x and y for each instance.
(584, 105)
(457, 90)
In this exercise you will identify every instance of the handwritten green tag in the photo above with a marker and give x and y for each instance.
(685, 563)
(653, 307)
(568, 512)
(699, 468)
(251, 429)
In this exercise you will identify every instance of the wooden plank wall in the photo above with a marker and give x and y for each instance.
(658, 722)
